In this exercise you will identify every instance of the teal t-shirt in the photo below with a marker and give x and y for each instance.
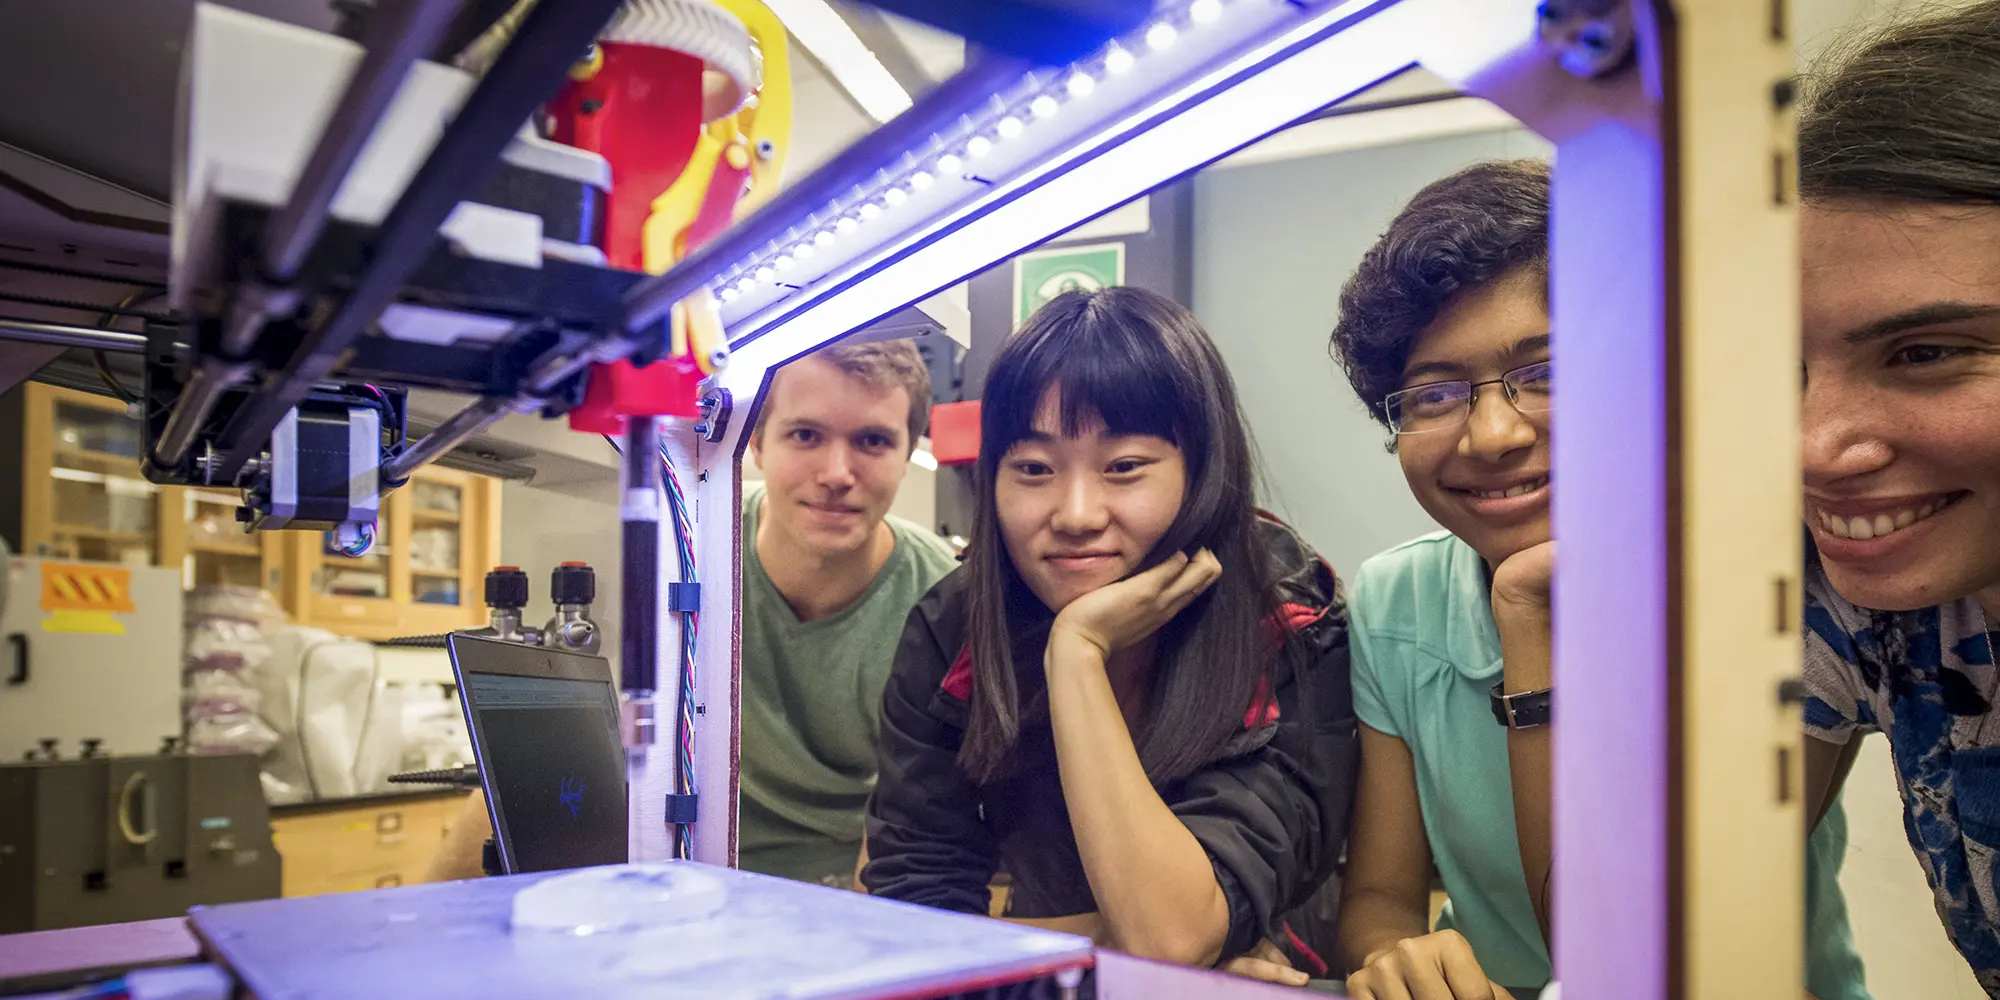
(1426, 655)
(812, 700)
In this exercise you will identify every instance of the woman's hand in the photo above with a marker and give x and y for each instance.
(1436, 966)
(1522, 580)
(1267, 963)
(1113, 617)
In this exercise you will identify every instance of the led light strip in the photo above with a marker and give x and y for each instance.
(1319, 60)
(956, 171)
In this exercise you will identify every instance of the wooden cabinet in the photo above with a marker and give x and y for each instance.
(80, 496)
(369, 844)
(81, 493)
(212, 548)
(438, 536)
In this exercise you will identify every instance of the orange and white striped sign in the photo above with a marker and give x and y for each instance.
(71, 587)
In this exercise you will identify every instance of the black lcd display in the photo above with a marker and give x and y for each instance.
(545, 730)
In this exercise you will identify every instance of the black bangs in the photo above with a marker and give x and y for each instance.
(1105, 368)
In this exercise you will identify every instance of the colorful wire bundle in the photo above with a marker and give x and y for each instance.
(690, 627)
(363, 541)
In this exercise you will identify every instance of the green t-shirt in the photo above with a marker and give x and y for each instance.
(812, 697)
(1426, 654)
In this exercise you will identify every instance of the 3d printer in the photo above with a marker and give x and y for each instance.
(327, 260)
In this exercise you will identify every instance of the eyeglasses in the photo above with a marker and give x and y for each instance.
(1441, 406)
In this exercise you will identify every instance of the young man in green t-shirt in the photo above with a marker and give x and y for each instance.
(828, 579)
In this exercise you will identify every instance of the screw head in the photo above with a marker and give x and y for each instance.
(1584, 46)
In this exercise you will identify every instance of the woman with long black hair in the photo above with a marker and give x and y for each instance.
(1133, 699)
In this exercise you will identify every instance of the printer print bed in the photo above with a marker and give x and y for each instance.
(770, 938)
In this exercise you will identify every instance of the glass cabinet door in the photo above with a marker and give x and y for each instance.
(343, 575)
(436, 537)
(219, 551)
(437, 543)
(84, 496)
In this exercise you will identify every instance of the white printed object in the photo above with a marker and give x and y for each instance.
(619, 898)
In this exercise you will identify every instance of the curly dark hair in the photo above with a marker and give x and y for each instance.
(1472, 229)
(1907, 111)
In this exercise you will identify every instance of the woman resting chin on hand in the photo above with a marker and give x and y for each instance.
(1133, 698)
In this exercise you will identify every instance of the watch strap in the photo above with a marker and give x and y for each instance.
(1523, 710)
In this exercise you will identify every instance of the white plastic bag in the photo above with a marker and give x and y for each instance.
(225, 649)
(340, 727)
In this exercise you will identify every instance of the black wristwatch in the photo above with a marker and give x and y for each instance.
(1525, 710)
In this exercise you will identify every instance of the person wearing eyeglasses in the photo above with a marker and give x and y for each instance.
(1444, 334)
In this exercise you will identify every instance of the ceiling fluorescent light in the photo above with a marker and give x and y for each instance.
(852, 64)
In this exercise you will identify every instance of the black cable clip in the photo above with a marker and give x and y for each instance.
(681, 808)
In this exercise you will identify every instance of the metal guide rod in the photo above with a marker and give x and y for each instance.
(448, 435)
(528, 71)
(936, 111)
(399, 33)
(205, 385)
(554, 368)
(63, 335)
(647, 303)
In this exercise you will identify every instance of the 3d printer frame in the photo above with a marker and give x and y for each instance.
(1673, 255)
(1672, 238)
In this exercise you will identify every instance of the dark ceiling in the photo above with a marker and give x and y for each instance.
(92, 83)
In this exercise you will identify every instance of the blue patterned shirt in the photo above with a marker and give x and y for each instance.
(1926, 680)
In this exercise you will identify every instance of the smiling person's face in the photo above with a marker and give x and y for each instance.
(833, 449)
(1902, 401)
(1078, 513)
(1485, 480)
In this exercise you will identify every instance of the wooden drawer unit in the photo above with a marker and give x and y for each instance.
(364, 844)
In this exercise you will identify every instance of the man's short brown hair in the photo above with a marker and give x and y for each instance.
(882, 365)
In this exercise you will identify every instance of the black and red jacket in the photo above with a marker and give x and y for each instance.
(1271, 813)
